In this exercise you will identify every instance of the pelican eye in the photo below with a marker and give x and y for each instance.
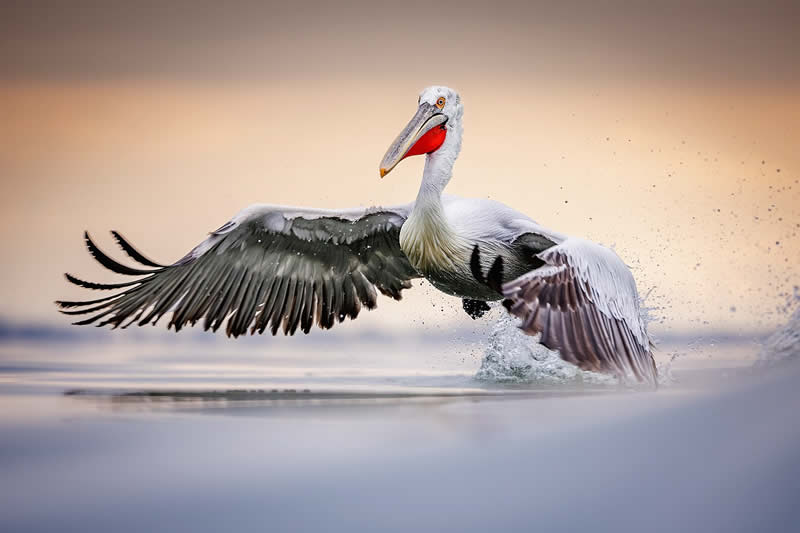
(440, 102)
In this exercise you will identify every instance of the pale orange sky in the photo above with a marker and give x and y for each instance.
(670, 133)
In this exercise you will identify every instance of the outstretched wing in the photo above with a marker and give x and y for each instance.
(584, 303)
(268, 267)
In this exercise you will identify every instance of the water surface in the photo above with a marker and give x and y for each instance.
(221, 436)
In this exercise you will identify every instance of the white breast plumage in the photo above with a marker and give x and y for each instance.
(430, 244)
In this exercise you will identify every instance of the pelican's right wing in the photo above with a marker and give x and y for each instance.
(584, 302)
(269, 266)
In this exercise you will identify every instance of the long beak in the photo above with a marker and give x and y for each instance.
(426, 118)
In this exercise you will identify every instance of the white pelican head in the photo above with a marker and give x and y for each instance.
(438, 115)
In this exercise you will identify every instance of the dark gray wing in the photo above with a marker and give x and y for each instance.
(270, 267)
(584, 303)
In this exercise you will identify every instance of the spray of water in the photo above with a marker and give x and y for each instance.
(513, 357)
(653, 313)
(784, 344)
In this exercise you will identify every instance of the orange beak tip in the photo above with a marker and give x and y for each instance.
(384, 172)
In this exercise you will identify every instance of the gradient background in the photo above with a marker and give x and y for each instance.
(668, 130)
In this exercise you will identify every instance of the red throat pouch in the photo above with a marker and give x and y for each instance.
(430, 142)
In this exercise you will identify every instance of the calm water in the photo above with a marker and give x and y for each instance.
(346, 436)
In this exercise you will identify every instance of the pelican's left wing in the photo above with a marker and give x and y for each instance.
(269, 266)
(584, 303)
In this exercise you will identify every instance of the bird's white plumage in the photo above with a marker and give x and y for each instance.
(480, 219)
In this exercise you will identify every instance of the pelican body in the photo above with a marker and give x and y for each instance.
(284, 268)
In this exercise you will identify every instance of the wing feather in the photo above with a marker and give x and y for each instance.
(269, 267)
(132, 252)
(584, 303)
(98, 286)
(109, 263)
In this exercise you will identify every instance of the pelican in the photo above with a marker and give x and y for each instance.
(283, 268)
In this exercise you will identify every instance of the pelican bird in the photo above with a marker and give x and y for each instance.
(284, 268)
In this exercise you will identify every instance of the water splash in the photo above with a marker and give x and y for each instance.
(784, 344)
(652, 311)
(514, 357)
